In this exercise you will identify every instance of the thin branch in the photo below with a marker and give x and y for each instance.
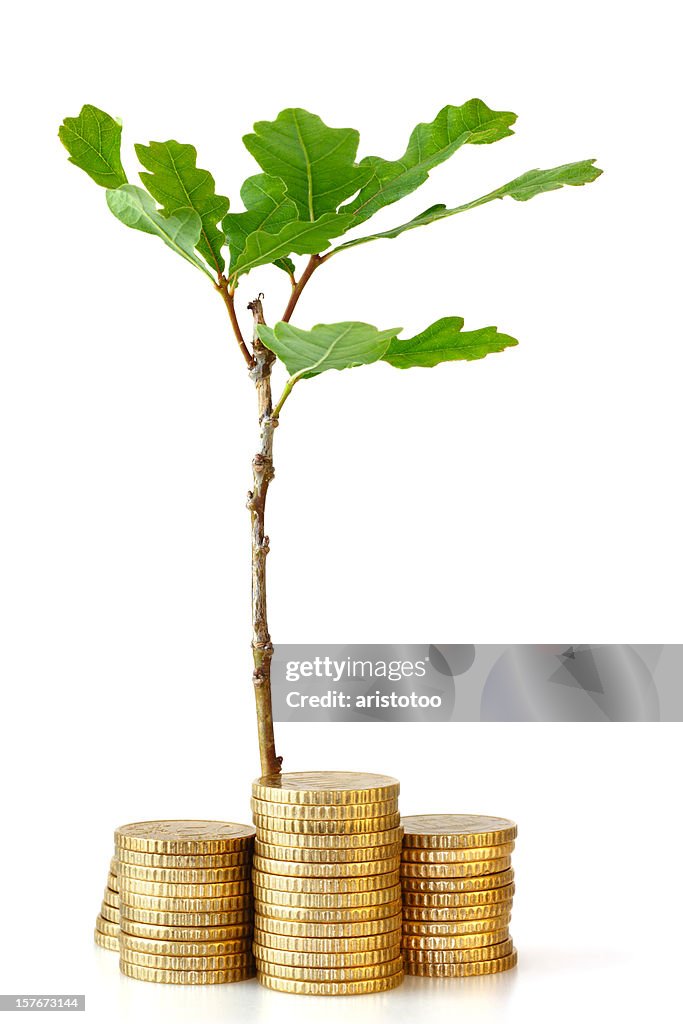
(229, 300)
(312, 264)
(286, 392)
(262, 465)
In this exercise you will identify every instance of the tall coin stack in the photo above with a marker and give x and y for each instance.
(458, 886)
(185, 898)
(327, 894)
(107, 925)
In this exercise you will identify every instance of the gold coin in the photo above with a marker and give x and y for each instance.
(293, 912)
(108, 927)
(212, 890)
(465, 912)
(106, 941)
(165, 947)
(452, 929)
(451, 831)
(184, 876)
(298, 958)
(383, 970)
(331, 988)
(110, 913)
(185, 977)
(112, 882)
(413, 855)
(477, 883)
(327, 900)
(338, 826)
(465, 869)
(178, 905)
(326, 788)
(185, 963)
(183, 837)
(198, 919)
(185, 862)
(344, 944)
(446, 942)
(293, 856)
(302, 869)
(459, 956)
(290, 883)
(311, 841)
(187, 933)
(323, 812)
(351, 929)
(457, 899)
(111, 898)
(469, 970)
(113, 866)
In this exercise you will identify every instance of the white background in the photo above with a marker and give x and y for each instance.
(530, 496)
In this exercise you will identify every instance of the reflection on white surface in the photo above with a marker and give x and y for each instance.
(547, 977)
(437, 997)
(126, 998)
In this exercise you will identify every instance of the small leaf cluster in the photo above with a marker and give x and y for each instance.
(311, 191)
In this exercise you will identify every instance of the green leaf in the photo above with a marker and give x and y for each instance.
(429, 145)
(267, 208)
(326, 346)
(525, 187)
(433, 213)
(177, 183)
(135, 208)
(446, 340)
(298, 236)
(93, 140)
(533, 183)
(316, 163)
(285, 264)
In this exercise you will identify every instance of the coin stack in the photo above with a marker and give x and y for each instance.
(108, 921)
(327, 894)
(186, 910)
(458, 886)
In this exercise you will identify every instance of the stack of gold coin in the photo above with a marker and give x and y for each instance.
(186, 905)
(108, 921)
(457, 881)
(327, 894)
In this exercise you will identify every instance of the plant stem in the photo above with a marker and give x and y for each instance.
(229, 300)
(312, 265)
(286, 392)
(262, 465)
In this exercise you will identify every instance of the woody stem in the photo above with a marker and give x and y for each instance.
(262, 465)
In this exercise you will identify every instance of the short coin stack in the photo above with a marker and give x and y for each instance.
(107, 925)
(327, 892)
(458, 886)
(186, 909)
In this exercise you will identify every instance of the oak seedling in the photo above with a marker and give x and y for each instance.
(311, 193)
